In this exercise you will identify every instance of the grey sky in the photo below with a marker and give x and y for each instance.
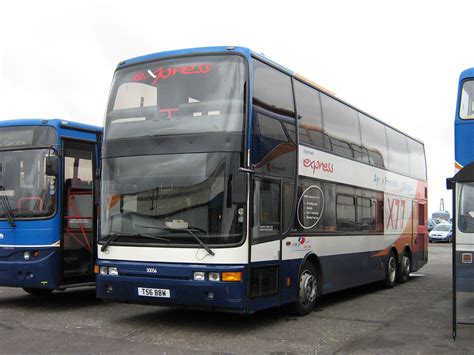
(397, 60)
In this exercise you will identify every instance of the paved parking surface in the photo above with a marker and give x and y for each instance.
(413, 317)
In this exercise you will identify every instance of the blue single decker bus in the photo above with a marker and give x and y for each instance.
(48, 170)
(231, 183)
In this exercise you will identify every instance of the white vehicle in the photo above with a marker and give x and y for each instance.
(442, 232)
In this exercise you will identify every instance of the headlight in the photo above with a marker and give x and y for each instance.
(26, 255)
(199, 276)
(103, 270)
(113, 271)
(214, 276)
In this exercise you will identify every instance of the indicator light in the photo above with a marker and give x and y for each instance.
(232, 276)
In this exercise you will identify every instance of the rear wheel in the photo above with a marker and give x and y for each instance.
(307, 290)
(391, 270)
(38, 291)
(404, 269)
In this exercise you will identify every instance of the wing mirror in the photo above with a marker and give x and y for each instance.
(239, 186)
(52, 165)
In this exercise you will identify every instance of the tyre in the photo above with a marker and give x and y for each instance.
(404, 269)
(307, 290)
(390, 270)
(38, 291)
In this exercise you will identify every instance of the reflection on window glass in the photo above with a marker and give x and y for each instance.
(316, 206)
(28, 190)
(199, 94)
(168, 195)
(271, 128)
(308, 106)
(466, 108)
(397, 152)
(466, 208)
(365, 214)
(341, 123)
(417, 159)
(345, 213)
(266, 209)
(374, 139)
(272, 90)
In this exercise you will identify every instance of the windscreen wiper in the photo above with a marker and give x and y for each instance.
(199, 240)
(6, 207)
(190, 231)
(114, 235)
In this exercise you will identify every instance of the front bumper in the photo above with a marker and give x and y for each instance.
(178, 279)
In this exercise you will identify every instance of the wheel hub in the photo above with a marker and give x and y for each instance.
(308, 288)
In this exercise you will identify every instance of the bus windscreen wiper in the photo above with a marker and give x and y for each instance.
(114, 235)
(6, 207)
(199, 240)
(190, 231)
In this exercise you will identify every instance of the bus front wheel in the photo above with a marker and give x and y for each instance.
(307, 290)
(37, 291)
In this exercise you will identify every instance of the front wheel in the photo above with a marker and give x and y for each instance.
(38, 291)
(404, 269)
(391, 270)
(307, 290)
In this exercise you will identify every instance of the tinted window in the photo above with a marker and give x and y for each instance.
(177, 96)
(345, 212)
(272, 89)
(397, 152)
(365, 214)
(308, 106)
(465, 210)
(466, 109)
(417, 159)
(266, 212)
(374, 139)
(316, 206)
(341, 124)
(271, 128)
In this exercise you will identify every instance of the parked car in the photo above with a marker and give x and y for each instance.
(431, 224)
(442, 232)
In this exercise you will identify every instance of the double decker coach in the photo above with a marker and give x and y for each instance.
(48, 170)
(231, 183)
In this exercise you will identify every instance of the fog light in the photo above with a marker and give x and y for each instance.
(29, 275)
(103, 270)
(113, 271)
(214, 276)
(109, 288)
(210, 295)
(199, 276)
(26, 255)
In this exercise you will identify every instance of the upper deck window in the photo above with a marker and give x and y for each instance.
(466, 108)
(272, 90)
(177, 96)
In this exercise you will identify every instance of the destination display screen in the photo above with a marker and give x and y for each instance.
(26, 136)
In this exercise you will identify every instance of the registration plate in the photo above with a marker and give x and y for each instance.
(153, 292)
